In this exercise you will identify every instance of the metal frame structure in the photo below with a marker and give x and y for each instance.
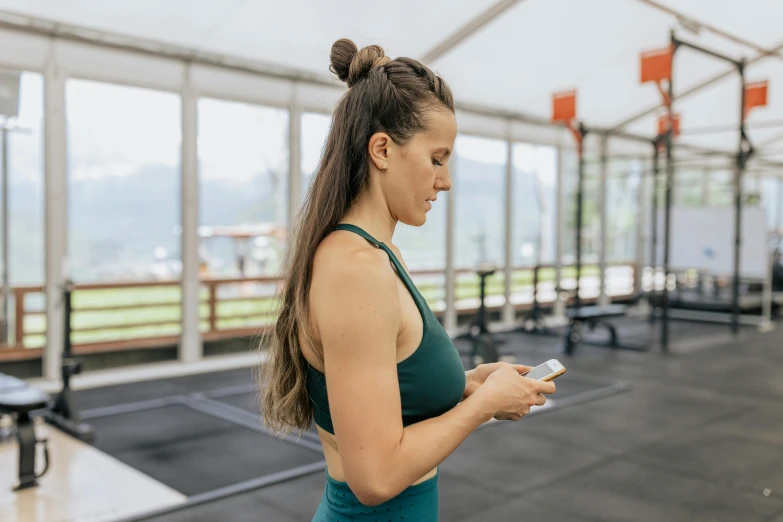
(656, 143)
(264, 83)
(744, 152)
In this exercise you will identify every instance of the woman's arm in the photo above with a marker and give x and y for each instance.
(356, 308)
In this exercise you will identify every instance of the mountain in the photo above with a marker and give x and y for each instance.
(119, 225)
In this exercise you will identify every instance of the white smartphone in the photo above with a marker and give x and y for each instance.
(547, 371)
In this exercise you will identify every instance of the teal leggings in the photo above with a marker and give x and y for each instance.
(418, 503)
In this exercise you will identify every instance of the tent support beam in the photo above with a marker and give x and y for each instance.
(468, 30)
(770, 142)
(689, 19)
(73, 33)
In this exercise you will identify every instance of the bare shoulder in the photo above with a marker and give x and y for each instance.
(349, 275)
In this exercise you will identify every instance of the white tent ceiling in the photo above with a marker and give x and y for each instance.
(513, 62)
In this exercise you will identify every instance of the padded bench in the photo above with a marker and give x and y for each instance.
(18, 399)
(592, 316)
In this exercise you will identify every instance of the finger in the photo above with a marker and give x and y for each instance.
(521, 368)
(541, 400)
(546, 387)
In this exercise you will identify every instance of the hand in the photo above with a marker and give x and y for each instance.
(476, 377)
(509, 396)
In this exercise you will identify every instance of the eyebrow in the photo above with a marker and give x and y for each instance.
(444, 150)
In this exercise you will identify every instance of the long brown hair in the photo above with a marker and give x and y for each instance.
(384, 95)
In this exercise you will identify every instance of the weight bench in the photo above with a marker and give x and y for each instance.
(18, 399)
(592, 316)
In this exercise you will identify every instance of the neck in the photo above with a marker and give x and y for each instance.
(371, 213)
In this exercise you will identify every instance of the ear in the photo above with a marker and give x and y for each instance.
(379, 150)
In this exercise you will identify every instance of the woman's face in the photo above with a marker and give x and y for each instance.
(419, 170)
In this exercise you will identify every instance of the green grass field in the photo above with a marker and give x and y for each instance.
(158, 307)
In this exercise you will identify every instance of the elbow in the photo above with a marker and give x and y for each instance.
(371, 495)
(372, 492)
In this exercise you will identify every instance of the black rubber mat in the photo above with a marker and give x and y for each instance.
(193, 452)
(685, 335)
(246, 401)
(696, 438)
(154, 389)
(249, 402)
(636, 332)
(626, 491)
(746, 463)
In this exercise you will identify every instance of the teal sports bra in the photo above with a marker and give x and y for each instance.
(431, 380)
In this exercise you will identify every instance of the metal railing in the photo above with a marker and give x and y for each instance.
(120, 316)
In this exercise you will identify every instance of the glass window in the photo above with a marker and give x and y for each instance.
(124, 219)
(25, 177)
(315, 129)
(591, 212)
(689, 187)
(479, 186)
(591, 216)
(721, 189)
(771, 194)
(424, 247)
(534, 204)
(243, 178)
(123, 161)
(624, 178)
(570, 178)
(26, 186)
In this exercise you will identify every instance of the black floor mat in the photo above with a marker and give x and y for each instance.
(193, 452)
(634, 332)
(696, 438)
(639, 331)
(246, 401)
(249, 402)
(154, 389)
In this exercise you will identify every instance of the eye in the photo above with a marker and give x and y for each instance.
(436, 163)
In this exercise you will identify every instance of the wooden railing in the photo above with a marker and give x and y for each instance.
(125, 315)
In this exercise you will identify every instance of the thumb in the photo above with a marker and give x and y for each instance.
(521, 368)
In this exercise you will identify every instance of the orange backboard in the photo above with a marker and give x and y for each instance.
(755, 95)
(663, 121)
(656, 65)
(564, 106)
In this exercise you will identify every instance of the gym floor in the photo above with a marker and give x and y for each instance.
(629, 436)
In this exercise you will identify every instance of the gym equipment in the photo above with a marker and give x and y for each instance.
(657, 144)
(590, 317)
(64, 413)
(699, 243)
(534, 320)
(19, 400)
(564, 111)
(657, 67)
(483, 343)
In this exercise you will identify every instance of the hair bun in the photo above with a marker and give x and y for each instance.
(351, 64)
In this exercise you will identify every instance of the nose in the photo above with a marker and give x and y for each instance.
(443, 182)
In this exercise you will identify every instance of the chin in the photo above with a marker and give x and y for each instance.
(415, 221)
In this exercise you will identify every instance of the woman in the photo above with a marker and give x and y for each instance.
(352, 322)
